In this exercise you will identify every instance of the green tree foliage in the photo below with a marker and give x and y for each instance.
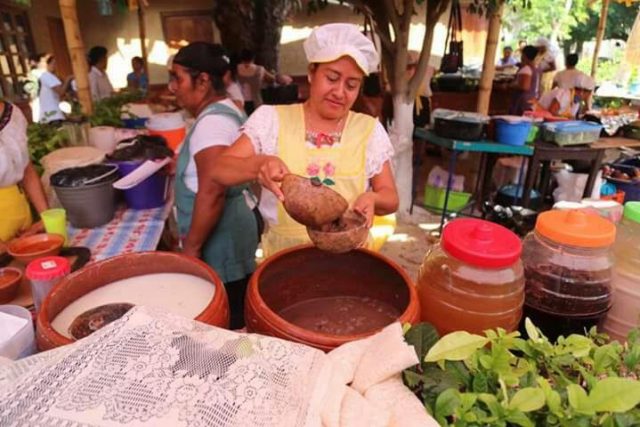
(619, 23)
(554, 19)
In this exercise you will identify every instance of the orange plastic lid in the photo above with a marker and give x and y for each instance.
(576, 228)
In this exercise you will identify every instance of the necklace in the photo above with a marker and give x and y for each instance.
(322, 138)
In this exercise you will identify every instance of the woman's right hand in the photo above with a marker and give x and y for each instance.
(271, 172)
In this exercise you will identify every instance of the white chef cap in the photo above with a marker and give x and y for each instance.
(585, 82)
(330, 42)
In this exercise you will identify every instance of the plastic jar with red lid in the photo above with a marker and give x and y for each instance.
(473, 279)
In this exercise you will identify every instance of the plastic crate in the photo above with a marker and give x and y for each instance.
(434, 199)
(573, 132)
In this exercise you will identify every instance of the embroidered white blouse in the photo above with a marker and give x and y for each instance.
(262, 129)
(14, 153)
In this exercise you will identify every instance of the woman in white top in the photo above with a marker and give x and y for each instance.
(19, 182)
(51, 91)
(320, 139)
(215, 222)
(99, 83)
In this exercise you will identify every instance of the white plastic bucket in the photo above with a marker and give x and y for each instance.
(103, 138)
(22, 342)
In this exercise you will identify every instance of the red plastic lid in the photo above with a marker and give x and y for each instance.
(481, 243)
(48, 268)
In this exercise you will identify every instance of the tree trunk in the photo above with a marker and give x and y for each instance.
(488, 66)
(142, 28)
(599, 35)
(270, 16)
(69, 14)
(401, 135)
(236, 21)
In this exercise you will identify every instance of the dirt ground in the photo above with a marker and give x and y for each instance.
(411, 240)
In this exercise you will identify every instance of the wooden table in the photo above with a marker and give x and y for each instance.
(490, 151)
(545, 152)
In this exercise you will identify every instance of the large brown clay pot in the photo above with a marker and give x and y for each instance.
(304, 272)
(121, 267)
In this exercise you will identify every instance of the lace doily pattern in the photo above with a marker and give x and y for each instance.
(153, 368)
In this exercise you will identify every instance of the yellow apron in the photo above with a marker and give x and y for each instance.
(341, 166)
(16, 214)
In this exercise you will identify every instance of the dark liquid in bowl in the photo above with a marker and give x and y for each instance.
(341, 315)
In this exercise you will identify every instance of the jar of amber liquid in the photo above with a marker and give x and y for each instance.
(473, 279)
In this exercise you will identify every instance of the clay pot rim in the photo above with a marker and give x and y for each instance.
(298, 332)
(14, 282)
(56, 240)
(44, 323)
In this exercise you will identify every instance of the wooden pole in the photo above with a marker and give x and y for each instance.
(143, 36)
(602, 24)
(489, 66)
(79, 64)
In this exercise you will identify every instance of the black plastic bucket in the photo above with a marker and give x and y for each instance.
(91, 205)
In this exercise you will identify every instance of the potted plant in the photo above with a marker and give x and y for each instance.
(501, 379)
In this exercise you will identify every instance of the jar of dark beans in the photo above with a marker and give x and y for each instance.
(568, 267)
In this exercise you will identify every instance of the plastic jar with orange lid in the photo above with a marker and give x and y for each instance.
(473, 279)
(625, 311)
(568, 265)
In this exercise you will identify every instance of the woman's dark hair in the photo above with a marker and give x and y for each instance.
(530, 52)
(202, 57)
(96, 54)
(138, 59)
(571, 60)
(247, 55)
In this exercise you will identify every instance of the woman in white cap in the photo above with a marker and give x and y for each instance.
(570, 103)
(320, 138)
(546, 62)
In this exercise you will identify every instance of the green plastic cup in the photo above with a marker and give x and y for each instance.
(55, 222)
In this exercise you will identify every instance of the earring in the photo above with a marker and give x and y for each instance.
(309, 79)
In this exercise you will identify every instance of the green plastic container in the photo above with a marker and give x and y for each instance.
(434, 199)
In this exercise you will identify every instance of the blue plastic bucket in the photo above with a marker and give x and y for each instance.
(149, 194)
(512, 133)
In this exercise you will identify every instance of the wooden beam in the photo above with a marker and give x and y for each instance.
(79, 64)
(143, 36)
(602, 24)
(489, 66)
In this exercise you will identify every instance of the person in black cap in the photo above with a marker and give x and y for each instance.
(215, 223)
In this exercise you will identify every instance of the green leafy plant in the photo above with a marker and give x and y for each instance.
(43, 138)
(501, 379)
(107, 111)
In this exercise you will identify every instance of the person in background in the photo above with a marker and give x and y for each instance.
(422, 104)
(567, 78)
(571, 102)
(234, 92)
(31, 85)
(507, 61)
(526, 84)
(99, 83)
(215, 223)
(138, 79)
(546, 62)
(250, 77)
(19, 181)
(52, 90)
(320, 138)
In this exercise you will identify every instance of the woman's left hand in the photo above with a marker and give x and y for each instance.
(365, 204)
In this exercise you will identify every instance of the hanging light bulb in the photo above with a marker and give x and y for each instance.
(105, 8)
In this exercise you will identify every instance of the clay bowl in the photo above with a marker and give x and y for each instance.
(347, 233)
(310, 204)
(9, 283)
(304, 273)
(101, 273)
(26, 249)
